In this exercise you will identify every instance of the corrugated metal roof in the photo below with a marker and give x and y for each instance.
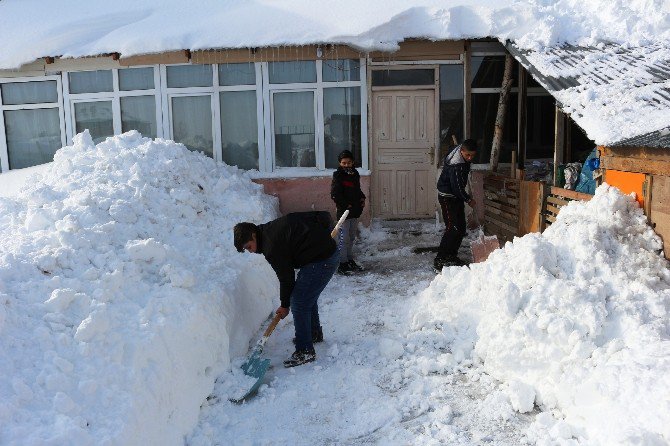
(660, 138)
(606, 87)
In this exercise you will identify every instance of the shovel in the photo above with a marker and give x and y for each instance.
(483, 245)
(255, 366)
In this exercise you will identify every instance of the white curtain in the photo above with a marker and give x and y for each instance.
(15, 93)
(96, 117)
(342, 123)
(33, 136)
(294, 129)
(139, 113)
(239, 129)
(192, 123)
(136, 79)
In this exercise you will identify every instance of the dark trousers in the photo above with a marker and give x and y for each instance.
(453, 214)
(312, 279)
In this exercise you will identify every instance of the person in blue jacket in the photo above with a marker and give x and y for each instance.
(452, 196)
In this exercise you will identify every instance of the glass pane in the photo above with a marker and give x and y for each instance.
(239, 129)
(484, 111)
(29, 92)
(90, 81)
(387, 78)
(487, 71)
(182, 76)
(342, 123)
(341, 70)
(292, 72)
(451, 107)
(192, 123)
(96, 117)
(139, 113)
(294, 129)
(33, 136)
(540, 116)
(136, 79)
(237, 74)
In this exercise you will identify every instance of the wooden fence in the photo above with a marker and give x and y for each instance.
(516, 207)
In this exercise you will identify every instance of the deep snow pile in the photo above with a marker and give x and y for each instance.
(121, 294)
(574, 320)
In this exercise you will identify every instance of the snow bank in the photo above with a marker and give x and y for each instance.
(121, 294)
(575, 319)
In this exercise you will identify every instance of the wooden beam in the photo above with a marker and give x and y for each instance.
(170, 57)
(467, 89)
(422, 50)
(654, 167)
(643, 153)
(502, 112)
(559, 141)
(521, 117)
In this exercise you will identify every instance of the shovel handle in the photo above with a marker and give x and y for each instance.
(272, 326)
(333, 234)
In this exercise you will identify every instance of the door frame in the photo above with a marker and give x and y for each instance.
(436, 126)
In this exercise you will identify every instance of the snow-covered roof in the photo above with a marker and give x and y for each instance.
(32, 29)
(616, 93)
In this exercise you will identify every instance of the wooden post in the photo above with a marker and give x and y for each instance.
(521, 128)
(568, 139)
(559, 139)
(467, 85)
(513, 163)
(502, 109)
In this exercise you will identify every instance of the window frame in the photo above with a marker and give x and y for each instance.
(319, 131)
(4, 149)
(69, 99)
(215, 103)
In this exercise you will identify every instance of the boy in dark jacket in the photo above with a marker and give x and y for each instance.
(345, 190)
(296, 241)
(452, 196)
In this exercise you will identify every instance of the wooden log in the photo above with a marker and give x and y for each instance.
(559, 142)
(502, 111)
(521, 118)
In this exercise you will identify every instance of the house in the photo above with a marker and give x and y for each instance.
(283, 106)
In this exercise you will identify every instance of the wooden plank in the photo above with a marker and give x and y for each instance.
(421, 49)
(659, 214)
(553, 209)
(550, 218)
(503, 233)
(275, 54)
(502, 214)
(510, 226)
(502, 207)
(641, 153)
(570, 194)
(168, 57)
(530, 207)
(557, 201)
(502, 182)
(653, 167)
(502, 199)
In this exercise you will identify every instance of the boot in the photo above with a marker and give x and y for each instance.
(353, 266)
(300, 357)
(344, 269)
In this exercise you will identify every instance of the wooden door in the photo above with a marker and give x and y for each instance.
(659, 209)
(403, 149)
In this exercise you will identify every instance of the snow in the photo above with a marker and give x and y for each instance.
(121, 295)
(127, 27)
(123, 306)
(574, 320)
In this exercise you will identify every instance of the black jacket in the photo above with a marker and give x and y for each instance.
(454, 177)
(345, 190)
(293, 241)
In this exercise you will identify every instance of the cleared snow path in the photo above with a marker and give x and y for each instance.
(370, 383)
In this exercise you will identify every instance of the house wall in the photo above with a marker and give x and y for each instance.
(309, 194)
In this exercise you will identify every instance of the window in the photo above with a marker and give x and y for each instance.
(315, 110)
(262, 115)
(389, 78)
(451, 107)
(110, 102)
(31, 127)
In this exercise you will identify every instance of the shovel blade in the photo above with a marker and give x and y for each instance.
(256, 368)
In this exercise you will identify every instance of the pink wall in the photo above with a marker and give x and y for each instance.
(309, 194)
(477, 185)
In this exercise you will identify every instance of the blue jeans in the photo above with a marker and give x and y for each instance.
(312, 279)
